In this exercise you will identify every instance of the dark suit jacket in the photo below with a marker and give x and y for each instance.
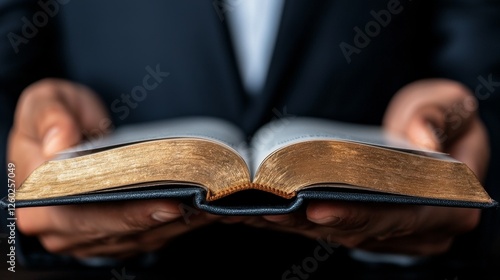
(341, 60)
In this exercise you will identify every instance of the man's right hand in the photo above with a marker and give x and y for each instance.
(53, 115)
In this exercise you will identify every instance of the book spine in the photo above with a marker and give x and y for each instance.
(249, 186)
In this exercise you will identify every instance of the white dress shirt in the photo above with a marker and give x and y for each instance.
(254, 26)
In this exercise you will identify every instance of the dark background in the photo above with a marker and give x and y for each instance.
(86, 62)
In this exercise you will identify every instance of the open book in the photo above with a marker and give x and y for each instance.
(289, 159)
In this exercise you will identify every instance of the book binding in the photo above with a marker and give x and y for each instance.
(197, 197)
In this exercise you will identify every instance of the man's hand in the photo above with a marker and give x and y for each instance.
(436, 114)
(53, 115)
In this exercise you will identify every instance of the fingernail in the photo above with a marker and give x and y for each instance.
(163, 217)
(50, 141)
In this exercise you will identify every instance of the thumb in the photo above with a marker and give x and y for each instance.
(424, 127)
(57, 114)
(425, 134)
(58, 131)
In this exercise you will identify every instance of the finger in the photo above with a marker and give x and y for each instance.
(423, 108)
(425, 133)
(358, 222)
(425, 127)
(48, 125)
(335, 214)
(62, 244)
(145, 241)
(367, 219)
(283, 220)
(97, 221)
(472, 148)
(152, 239)
(351, 224)
(57, 128)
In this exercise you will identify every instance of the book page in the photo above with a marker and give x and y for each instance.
(208, 128)
(287, 131)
